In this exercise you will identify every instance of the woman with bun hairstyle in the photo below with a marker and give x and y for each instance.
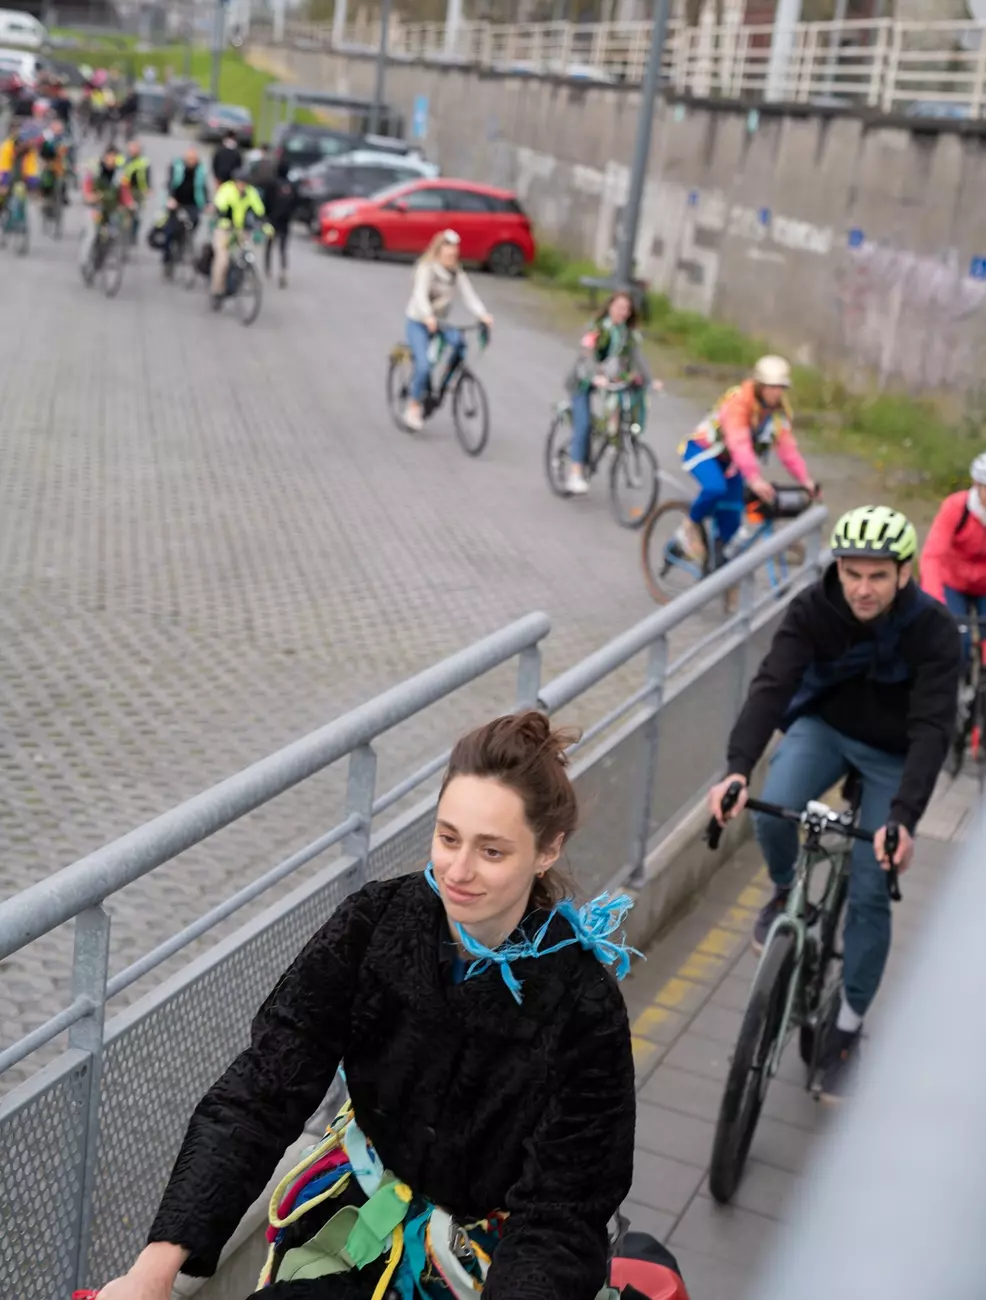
(486, 1049)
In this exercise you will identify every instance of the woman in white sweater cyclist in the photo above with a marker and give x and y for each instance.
(437, 275)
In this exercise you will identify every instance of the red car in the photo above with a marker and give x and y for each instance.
(402, 219)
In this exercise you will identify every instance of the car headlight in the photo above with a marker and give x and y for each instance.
(341, 211)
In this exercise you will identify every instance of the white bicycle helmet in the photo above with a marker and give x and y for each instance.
(772, 372)
(978, 468)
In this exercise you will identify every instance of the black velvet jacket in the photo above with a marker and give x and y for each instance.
(473, 1100)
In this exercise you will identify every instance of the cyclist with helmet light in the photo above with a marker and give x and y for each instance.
(726, 452)
(862, 673)
(953, 561)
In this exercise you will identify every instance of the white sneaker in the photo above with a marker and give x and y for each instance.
(687, 538)
(576, 485)
(413, 420)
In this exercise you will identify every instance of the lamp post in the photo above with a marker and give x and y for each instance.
(377, 106)
(645, 125)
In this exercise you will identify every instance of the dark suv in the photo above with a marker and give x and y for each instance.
(301, 146)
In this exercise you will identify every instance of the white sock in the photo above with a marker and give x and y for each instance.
(849, 1021)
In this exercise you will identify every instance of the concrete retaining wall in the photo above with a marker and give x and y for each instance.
(857, 244)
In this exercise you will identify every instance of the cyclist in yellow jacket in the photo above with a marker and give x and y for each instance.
(238, 206)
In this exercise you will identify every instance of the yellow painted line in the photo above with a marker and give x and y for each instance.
(674, 992)
(753, 897)
(719, 942)
(704, 965)
(700, 966)
(642, 1050)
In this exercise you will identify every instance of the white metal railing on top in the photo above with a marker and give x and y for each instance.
(884, 64)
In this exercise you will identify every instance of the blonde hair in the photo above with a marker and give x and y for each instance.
(437, 241)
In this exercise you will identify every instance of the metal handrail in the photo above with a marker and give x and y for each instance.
(563, 689)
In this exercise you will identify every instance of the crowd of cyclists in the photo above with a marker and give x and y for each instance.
(40, 155)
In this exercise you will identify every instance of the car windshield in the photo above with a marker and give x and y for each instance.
(231, 114)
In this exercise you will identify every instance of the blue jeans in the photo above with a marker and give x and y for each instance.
(807, 762)
(958, 603)
(719, 496)
(419, 340)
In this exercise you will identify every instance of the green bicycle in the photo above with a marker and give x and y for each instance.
(798, 982)
(15, 225)
(633, 474)
(105, 259)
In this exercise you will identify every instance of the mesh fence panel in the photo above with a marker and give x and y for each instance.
(691, 740)
(608, 791)
(42, 1136)
(406, 847)
(157, 1068)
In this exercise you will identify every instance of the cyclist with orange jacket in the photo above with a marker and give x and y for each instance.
(726, 451)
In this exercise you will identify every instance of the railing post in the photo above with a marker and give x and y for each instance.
(90, 963)
(360, 791)
(657, 667)
(891, 68)
(976, 106)
(528, 677)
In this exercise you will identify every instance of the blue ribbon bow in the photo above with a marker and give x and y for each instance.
(592, 924)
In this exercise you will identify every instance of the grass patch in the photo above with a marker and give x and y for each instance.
(917, 447)
(239, 82)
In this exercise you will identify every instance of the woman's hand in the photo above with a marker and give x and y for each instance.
(431, 325)
(600, 381)
(487, 320)
(152, 1276)
(657, 385)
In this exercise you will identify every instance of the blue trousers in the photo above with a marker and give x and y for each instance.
(419, 340)
(719, 496)
(810, 760)
(958, 603)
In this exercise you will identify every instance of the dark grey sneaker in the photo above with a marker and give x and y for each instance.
(766, 918)
(838, 1064)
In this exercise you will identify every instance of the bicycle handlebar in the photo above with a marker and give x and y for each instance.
(835, 821)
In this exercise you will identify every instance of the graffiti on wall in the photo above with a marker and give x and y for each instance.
(909, 317)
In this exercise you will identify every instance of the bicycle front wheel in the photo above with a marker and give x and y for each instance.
(400, 372)
(668, 570)
(633, 483)
(111, 268)
(746, 1083)
(248, 295)
(470, 413)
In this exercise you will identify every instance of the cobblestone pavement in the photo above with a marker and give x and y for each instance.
(686, 1006)
(212, 540)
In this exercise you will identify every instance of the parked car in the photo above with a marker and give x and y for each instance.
(403, 219)
(354, 175)
(22, 30)
(195, 105)
(948, 109)
(155, 107)
(227, 119)
(301, 146)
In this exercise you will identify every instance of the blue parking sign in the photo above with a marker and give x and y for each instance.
(419, 118)
(977, 268)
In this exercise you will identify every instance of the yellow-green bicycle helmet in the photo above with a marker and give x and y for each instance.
(875, 533)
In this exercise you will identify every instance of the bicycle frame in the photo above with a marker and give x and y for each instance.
(796, 919)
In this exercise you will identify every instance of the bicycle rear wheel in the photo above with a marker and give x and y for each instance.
(22, 235)
(633, 483)
(667, 569)
(746, 1083)
(248, 294)
(824, 993)
(400, 372)
(470, 413)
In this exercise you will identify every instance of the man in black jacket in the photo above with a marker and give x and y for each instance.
(863, 672)
(227, 159)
